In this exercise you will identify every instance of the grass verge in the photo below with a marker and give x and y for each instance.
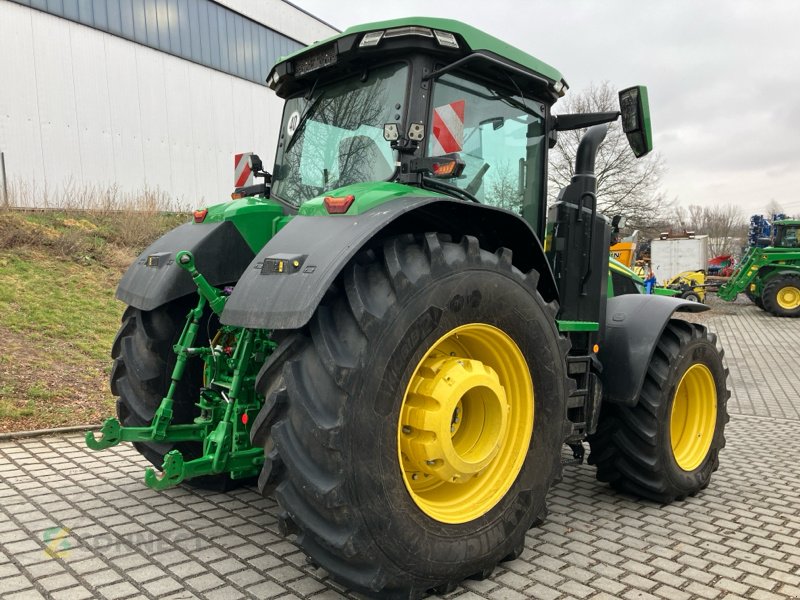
(58, 315)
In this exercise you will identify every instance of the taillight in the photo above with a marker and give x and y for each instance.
(200, 215)
(338, 205)
(445, 169)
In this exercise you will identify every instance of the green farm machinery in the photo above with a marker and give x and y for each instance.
(770, 275)
(394, 337)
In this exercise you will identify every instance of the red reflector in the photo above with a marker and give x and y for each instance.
(200, 215)
(244, 419)
(338, 206)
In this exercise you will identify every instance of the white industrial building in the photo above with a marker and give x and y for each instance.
(141, 94)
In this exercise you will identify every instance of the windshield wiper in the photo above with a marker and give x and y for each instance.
(449, 188)
(302, 121)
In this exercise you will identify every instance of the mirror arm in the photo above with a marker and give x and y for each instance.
(581, 120)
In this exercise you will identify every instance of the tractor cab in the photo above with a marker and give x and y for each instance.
(786, 233)
(431, 103)
(434, 104)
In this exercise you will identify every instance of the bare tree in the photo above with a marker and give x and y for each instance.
(504, 188)
(723, 223)
(625, 185)
(689, 218)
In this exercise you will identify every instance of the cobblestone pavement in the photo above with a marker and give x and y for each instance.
(756, 343)
(78, 524)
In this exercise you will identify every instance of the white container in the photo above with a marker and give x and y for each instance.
(672, 256)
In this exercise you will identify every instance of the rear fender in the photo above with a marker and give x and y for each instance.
(285, 282)
(634, 324)
(221, 255)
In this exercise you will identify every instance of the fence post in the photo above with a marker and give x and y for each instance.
(5, 181)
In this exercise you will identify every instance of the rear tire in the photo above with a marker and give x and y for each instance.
(335, 394)
(782, 296)
(666, 446)
(140, 377)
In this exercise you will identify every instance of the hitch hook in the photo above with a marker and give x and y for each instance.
(172, 472)
(110, 435)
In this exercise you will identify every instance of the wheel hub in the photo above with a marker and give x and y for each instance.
(465, 423)
(455, 419)
(693, 417)
(789, 297)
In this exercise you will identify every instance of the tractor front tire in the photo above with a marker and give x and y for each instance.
(666, 447)
(413, 428)
(754, 299)
(781, 296)
(141, 375)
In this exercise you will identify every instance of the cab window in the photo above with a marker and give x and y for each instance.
(498, 134)
(787, 238)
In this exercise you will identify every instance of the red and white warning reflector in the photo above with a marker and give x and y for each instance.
(242, 173)
(448, 128)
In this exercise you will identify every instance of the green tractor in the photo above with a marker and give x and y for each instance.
(770, 276)
(394, 338)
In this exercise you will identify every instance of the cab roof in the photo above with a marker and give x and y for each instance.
(474, 39)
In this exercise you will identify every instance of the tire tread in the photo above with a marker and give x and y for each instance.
(625, 447)
(308, 454)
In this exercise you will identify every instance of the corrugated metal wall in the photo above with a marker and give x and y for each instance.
(202, 31)
(84, 107)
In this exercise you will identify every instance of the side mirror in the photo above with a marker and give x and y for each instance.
(635, 111)
(255, 163)
(257, 167)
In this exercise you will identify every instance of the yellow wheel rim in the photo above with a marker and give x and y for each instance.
(694, 417)
(788, 297)
(465, 423)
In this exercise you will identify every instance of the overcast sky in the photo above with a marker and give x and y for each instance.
(723, 77)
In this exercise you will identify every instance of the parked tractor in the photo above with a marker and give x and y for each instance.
(770, 275)
(394, 337)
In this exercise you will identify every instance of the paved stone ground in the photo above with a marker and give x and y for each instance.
(756, 343)
(77, 524)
